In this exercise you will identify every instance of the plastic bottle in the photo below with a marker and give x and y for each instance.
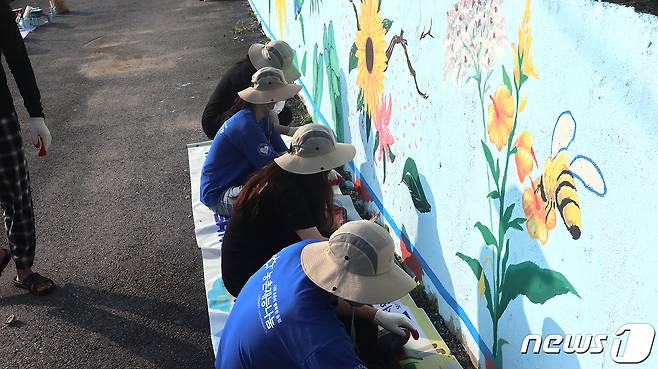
(26, 22)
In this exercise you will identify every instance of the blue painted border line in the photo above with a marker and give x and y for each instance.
(433, 277)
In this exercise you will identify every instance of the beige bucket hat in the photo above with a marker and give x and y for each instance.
(357, 264)
(313, 150)
(268, 86)
(277, 54)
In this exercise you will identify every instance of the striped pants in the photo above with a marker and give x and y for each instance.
(15, 196)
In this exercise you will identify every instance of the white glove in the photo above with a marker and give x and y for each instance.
(333, 175)
(41, 138)
(394, 322)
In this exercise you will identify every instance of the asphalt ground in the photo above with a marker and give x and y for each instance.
(123, 85)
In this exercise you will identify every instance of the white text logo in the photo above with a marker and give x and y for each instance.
(631, 344)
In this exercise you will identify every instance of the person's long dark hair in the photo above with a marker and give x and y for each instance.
(238, 104)
(315, 188)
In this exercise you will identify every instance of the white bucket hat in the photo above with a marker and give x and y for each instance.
(277, 54)
(357, 264)
(268, 86)
(313, 150)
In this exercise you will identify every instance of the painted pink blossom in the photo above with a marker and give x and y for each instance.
(382, 120)
(474, 38)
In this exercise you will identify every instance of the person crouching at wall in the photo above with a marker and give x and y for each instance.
(287, 201)
(285, 315)
(247, 141)
(276, 54)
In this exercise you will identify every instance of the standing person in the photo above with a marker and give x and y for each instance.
(15, 195)
(287, 201)
(285, 315)
(246, 142)
(276, 54)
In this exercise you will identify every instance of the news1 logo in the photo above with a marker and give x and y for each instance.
(631, 345)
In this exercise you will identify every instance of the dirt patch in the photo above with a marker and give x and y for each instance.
(113, 65)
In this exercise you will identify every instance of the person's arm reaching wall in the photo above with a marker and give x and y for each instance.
(255, 145)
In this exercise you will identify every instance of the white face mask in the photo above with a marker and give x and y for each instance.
(278, 107)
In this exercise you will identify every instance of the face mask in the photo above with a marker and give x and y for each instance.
(278, 107)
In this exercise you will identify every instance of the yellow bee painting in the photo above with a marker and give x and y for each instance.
(557, 186)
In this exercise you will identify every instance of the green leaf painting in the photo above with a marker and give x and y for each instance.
(490, 162)
(318, 78)
(374, 148)
(487, 236)
(411, 178)
(315, 6)
(537, 284)
(295, 61)
(333, 79)
(499, 350)
(303, 66)
(476, 268)
(517, 223)
(359, 101)
(508, 214)
(387, 23)
(301, 23)
(507, 81)
(353, 59)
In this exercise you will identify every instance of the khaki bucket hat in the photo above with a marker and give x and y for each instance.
(313, 150)
(268, 86)
(277, 54)
(357, 264)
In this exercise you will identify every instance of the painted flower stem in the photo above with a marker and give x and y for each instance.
(502, 228)
(481, 93)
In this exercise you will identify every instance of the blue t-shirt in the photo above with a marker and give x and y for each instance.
(282, 320)
(241, 146)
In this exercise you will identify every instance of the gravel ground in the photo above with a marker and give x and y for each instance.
(123, 84)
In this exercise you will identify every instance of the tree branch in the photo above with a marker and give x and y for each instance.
(428, 33)
(399, 39)
(356, 14)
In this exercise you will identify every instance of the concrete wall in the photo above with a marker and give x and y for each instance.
(456, 145)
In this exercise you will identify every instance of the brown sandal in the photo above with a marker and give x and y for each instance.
(32, 283)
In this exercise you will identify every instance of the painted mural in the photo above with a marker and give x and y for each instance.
(508, 145)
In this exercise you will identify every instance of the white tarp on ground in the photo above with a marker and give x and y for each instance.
(428, 352)
(209, 230)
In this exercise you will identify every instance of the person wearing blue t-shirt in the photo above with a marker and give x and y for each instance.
(285, 316)
(246, 142)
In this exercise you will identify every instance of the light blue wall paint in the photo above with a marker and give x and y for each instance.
(596, 60)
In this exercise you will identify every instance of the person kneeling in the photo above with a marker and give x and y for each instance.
(287, 201)
(285, 316)
(277, 54)
(247, 141)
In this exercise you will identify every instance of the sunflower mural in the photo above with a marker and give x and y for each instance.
(370, 55)
(550, 196)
